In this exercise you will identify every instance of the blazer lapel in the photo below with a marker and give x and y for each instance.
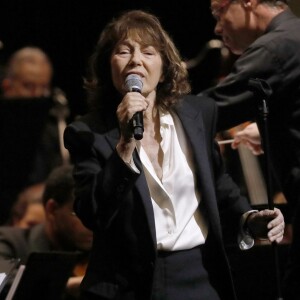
(192, 122)
(141, 183)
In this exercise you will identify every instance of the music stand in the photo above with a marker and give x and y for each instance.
(7, 269)
(44, 276)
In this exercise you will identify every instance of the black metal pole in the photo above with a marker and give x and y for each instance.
(262, 92)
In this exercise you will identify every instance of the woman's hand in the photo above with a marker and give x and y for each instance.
(267, 224)
(131, 103)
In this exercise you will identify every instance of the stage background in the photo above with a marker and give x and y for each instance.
(68, 32)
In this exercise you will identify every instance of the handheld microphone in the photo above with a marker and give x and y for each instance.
(133, 83)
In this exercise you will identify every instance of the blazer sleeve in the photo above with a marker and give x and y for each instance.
(229, 200)
(231, 203)
(102, 179)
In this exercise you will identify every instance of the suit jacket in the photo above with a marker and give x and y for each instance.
(115, 203)
(273, 57)
(19, 243)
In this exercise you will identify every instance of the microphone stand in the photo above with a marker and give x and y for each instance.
(262, 92)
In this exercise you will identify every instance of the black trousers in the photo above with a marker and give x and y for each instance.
(291, 280)
(180, 275)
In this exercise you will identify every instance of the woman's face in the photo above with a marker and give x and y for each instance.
(130, 57)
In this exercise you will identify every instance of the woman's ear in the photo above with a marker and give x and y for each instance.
(162, 77)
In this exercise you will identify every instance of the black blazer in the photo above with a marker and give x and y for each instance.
(115, 202)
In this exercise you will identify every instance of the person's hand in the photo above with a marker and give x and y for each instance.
(267, 224)
(250, 138)
(130, 104)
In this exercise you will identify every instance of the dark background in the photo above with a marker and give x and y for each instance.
(68, 31)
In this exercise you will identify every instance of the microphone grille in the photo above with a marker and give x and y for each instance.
(133, 82)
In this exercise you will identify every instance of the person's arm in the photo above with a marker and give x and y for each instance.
(235, 101)
(102, 178)
(264, 224)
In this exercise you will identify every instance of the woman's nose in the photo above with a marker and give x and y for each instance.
(218, 28)
(136, 58)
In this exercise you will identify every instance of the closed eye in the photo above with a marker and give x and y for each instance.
(149, 50)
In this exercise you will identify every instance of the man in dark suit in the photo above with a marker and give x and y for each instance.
(265, 33)
(153, 201)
